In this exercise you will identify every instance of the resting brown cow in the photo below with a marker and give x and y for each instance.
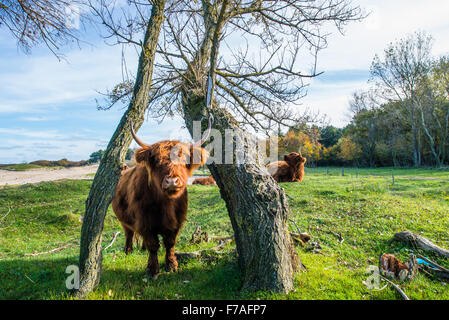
(289, 170)
(204, 181)
(151, 197)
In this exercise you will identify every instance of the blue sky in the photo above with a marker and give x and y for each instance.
(48, 108)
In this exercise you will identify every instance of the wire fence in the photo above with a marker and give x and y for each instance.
(392, 174)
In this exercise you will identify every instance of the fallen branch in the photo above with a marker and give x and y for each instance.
(420, 242)
(433, 263)
(441, 274)
(29, 278)
(221, 238)
(199, 236)
(337, 235)
(294, 222)
(6, 214)
(50, 251)
(198, 253)
(397, 288)
(5, 227)
(113, 240)
(302, 238)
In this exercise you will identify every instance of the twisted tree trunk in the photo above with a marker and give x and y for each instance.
(108, 174)
(258, 210)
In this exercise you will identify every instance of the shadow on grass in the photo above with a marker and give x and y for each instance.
(206, 278)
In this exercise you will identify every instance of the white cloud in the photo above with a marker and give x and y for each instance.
(43, 80)
(38, 118)
(9, 108)
(30, 134)
(34, 86)
(388, 22)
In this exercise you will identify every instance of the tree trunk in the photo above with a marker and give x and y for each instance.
(431, 141)
(256, 204)
(415, 145)
(108, 174)
(258, 209)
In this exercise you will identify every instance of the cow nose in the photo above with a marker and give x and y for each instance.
(171, 183)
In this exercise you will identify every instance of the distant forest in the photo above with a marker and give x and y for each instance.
(401, 120)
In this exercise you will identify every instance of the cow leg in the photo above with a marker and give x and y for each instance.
(171, 263)
(129, 235)
(151, 243)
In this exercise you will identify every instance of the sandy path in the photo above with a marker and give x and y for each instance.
(38, 175)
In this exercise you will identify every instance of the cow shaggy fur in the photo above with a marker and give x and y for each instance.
(151, 198)
(204, 181)
(289, 170)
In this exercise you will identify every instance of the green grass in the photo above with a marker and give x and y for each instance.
(21, 167)
(201, 172)
(386, 172)
(365, 209)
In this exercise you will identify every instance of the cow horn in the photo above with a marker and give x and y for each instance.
(206, 135)
(299, 151)
(139, 142)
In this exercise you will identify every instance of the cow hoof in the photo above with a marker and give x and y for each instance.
(171, 268)
(151, 275)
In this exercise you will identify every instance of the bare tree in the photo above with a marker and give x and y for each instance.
(364, 109)
(249, 92)
(41, 21)
(434, 108)
(398, 76)
(254, 85)
(260, 75)
(108, 173)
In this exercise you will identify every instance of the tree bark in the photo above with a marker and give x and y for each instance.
(108, 174)
(415, 143)
(431, 140)
(258, 210)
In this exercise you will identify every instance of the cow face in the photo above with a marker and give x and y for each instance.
(294, 159)
(169, 164)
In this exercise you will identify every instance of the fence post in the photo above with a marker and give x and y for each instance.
(392, 175)
(327, 170)
(342, 171)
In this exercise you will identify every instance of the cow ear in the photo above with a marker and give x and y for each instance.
(144, 155)
(289, 159)
(198, 157)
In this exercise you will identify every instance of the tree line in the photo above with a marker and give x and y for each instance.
(402, 119)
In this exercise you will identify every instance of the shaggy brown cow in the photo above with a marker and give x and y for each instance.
(151, 197)
(289, 170)
(204, 181)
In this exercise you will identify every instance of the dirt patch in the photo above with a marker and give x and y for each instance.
(13, 178)
(39, 175)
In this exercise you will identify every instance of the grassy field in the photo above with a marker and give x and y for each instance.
(20, 167)
(363, 206)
